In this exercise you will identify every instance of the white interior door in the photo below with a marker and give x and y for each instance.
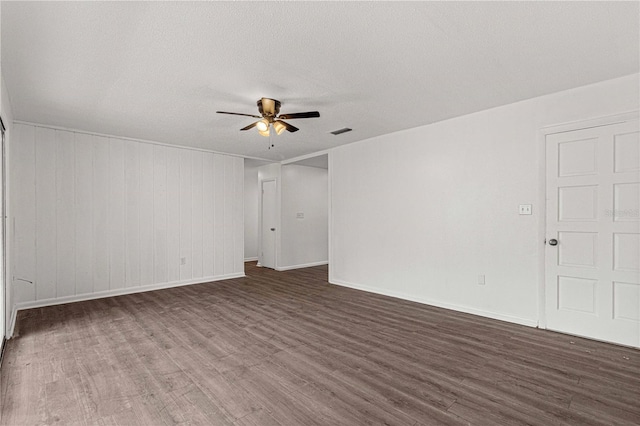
(269, 222)
(592, 256)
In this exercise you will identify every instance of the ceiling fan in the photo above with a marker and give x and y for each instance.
(269, 110)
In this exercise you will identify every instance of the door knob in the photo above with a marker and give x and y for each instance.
(273, 229)
(553, 242)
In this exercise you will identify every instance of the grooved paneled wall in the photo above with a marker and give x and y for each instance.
(94, 215)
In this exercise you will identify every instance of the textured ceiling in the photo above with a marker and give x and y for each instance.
(160, 70)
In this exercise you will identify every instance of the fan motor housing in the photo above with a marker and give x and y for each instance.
(268, 107)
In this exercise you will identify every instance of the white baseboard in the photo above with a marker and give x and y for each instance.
(250, 259)
(487, 314)
(117, 292)
(12, 322)
(304, 265)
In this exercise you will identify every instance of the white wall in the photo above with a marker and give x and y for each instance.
(419, 214)
(96, 216)
(304, 242)
(251, 198)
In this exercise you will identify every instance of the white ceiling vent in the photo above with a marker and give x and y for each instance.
(340, 131)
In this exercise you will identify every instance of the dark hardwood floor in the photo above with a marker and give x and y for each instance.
(287, 348)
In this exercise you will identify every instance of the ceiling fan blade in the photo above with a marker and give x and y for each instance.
(288, 126)
(237, 113)
(310, 114)
(250, 126)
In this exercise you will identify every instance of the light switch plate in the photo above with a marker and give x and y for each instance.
(525, 209)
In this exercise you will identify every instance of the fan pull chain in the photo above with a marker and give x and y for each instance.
(271, 145)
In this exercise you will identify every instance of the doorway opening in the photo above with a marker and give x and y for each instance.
(269, 223)
(304, 220)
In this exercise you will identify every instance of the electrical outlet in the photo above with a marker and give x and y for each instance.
(183, 260)
(300, 215)
(524, 209)
(480, 279)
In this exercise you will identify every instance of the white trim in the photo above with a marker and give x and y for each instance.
(542, 182)
(542, 227)
(593, 339)
(303, 265)
(251, 259)
(487, 314)
(85, 132)
(3, 345)
(305, 157)
(122, 291)
(260, 224)
(12, 322)
(5, 284)
(606, 120)
(9, 234)
(330, 213)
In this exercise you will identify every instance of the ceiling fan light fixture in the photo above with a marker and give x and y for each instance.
(262, 125)
(265, 132)
(279, 127)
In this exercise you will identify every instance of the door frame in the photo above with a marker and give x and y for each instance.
(3, 239)
(260, 224)
(542, 184)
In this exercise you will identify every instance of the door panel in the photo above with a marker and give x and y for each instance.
(578, 249)
(627, 152)
(626, 256)
(577, 294)
(577, 203)
(626, 198)
(577, 158)
(625, 297)
(593, 210)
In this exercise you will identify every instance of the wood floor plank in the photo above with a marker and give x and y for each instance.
(25, 399)
(257, 418)
(287, 348)
(230, 397)
(359, 396)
